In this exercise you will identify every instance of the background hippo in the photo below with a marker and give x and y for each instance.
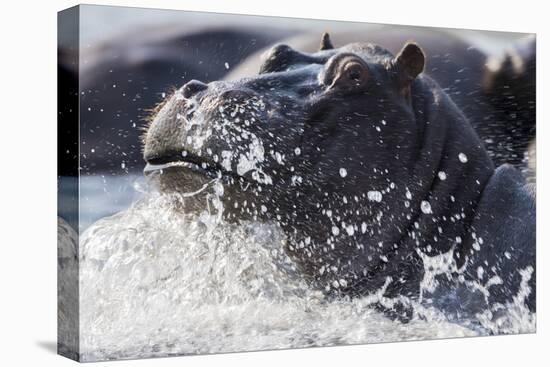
(368, 166)
(509, 83)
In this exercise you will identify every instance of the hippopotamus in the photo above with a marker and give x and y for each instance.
(368, 166)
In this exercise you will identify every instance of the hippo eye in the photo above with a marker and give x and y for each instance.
(347, 72)
(355, 72)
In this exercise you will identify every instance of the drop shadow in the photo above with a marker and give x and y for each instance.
(48, 345)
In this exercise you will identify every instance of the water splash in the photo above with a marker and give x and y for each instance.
(157, 281)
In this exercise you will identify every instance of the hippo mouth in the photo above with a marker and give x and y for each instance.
(152, 168)
(189, 162)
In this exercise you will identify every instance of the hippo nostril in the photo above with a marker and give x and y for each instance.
(236, 95)
(192, 87)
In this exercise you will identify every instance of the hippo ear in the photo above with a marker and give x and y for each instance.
(326, 44)
(410, 61)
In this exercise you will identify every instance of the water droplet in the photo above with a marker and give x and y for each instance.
(335, 230)
(374, 196)
(425, 207)
(462, 157)
(442, 175)
(480, 272)
(343, 172)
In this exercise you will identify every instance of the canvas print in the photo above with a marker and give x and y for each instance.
(233, 183)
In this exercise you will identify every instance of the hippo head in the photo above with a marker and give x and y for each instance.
(334, 146)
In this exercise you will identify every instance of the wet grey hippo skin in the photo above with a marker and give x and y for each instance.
(367, 165)
(501, 256)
